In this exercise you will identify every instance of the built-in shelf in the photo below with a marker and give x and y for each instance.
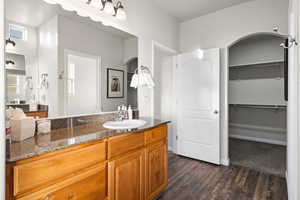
(257, 71)
(276, 107)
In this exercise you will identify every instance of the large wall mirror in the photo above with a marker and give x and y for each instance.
(59, 63)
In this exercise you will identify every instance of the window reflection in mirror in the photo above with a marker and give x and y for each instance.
(58, 60)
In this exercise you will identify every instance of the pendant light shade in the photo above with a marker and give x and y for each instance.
(109, 7)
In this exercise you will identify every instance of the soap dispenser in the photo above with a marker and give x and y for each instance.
(129, 111)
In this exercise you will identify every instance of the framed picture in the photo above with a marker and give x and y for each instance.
(115, 83)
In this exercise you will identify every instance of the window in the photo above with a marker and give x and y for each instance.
(17, 32)
(13, 84)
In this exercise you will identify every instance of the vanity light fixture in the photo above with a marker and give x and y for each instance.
(109, 8)
(9, 63)
(120, 12)
(142, 78)
(10, 43)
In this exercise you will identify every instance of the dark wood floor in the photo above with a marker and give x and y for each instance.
(192, 180)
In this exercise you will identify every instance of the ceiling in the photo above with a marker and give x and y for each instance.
(188, 9)
(30, 12)
(33, 13)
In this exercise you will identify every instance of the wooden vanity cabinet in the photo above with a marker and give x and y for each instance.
(142, 172)
(88, 184)
(46, 169)
(131, 166)
(126, 177)
(156, 169)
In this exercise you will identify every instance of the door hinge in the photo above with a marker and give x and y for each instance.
(176, 137)
(176, 66)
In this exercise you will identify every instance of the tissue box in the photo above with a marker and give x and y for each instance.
(22, 129)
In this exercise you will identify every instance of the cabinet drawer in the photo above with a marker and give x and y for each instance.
(156, 134)
(42, 171)
(124, 143)
(90, 184)
(41, 114)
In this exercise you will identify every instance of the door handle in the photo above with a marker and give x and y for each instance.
(216, 112)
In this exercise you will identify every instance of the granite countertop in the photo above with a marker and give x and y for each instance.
(67, 137)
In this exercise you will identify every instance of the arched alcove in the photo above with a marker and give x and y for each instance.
(256, 108)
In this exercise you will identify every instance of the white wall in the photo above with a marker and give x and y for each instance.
(48, 63)
(92, 41)
(130, 49)
(164, 94)
(222, 28)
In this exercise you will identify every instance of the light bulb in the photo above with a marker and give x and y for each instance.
(109, 7)
(121, 14)
(97, 4)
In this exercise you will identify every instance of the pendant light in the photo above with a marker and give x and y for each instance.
(120, 12)
(109, 7)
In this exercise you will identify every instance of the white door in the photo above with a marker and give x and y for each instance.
(83, 85)
(198, 76)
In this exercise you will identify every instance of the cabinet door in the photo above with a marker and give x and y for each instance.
(126, 177)
(90, 184)
(157, 169)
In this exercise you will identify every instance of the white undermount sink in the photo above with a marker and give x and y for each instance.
(124, 124)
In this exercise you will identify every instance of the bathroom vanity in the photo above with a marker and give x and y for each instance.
(89, 162)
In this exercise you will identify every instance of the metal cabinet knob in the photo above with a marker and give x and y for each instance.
(216, 112)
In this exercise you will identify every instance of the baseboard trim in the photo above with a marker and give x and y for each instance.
(225, 162)
(256, 139)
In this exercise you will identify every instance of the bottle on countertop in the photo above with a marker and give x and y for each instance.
(125, 112)
(129, 111)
